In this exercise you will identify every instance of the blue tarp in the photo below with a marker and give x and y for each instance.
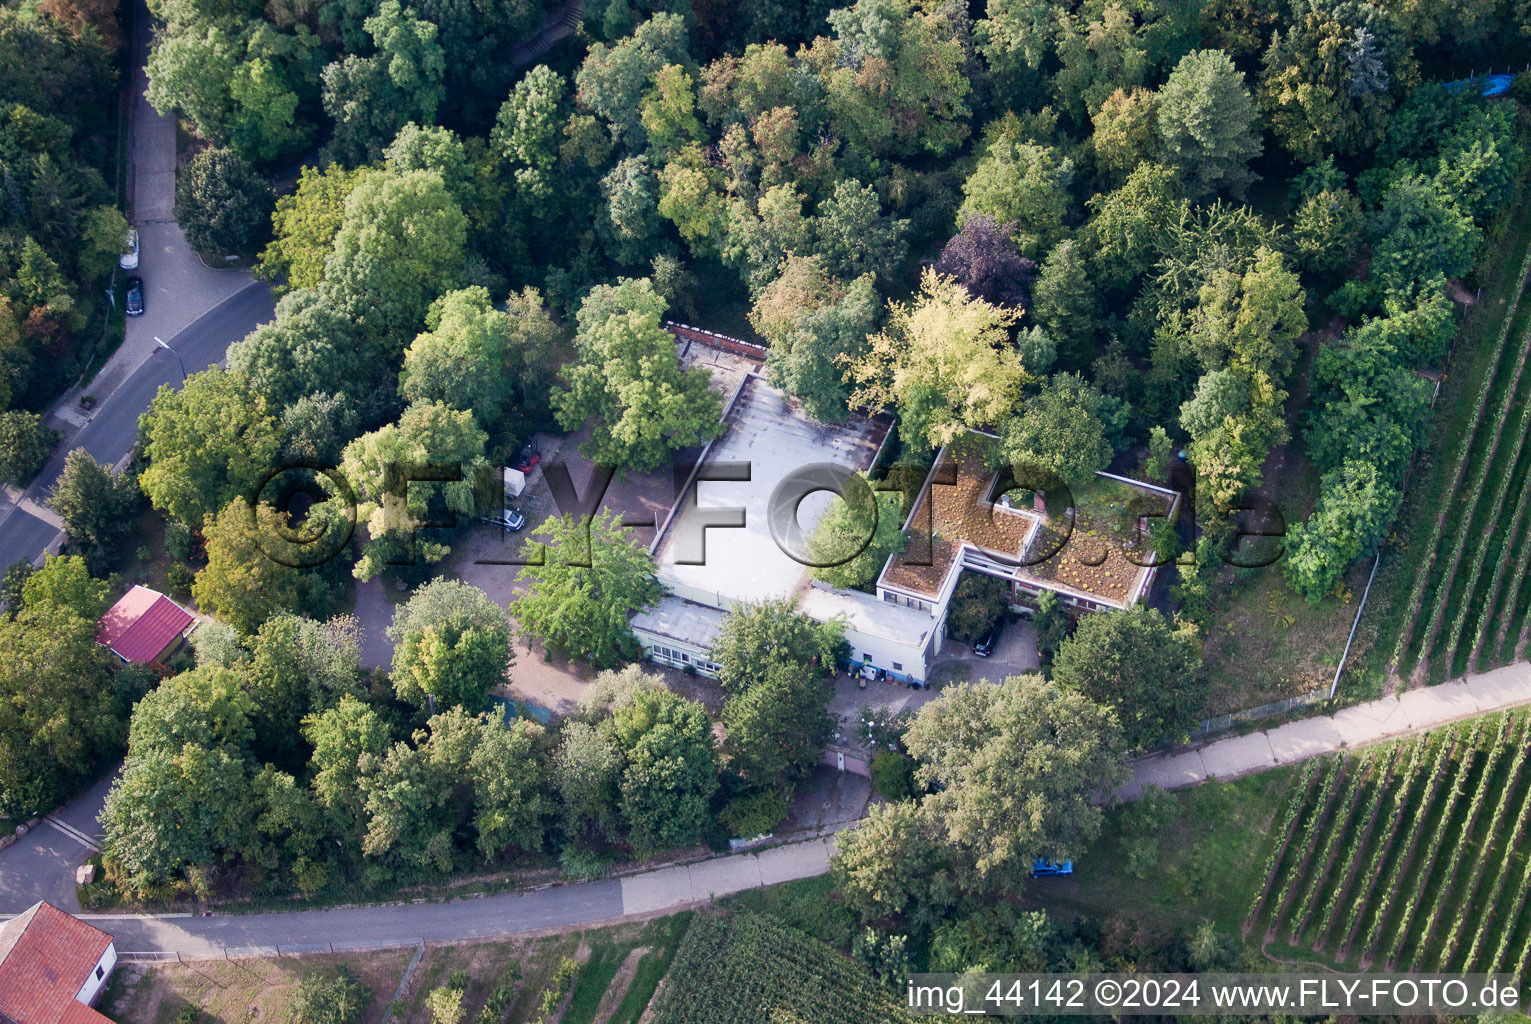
(1492, 85)
(513, 709)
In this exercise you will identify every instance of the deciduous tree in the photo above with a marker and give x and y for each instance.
(591, 580)
(451, 646)
(1136, 662)
(943, 361)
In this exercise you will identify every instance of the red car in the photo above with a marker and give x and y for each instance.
(529, 458)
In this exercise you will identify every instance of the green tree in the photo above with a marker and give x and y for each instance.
(1207, 125)
(1023, 184)
(848, 548)
(777, 728)
(1356, 506)
(452, 646)
(592, 578)
(461, 362)
(510, 788)
(756, 639)
(326, 999)
(1250, 321)
(305, 224)
(1136, 662)
(1015, 766)
(895, 864)
(57, 713)
(895, 77)
(207, 707)
(1130, 225)
(24, 446)
(207, 444)
(310, 348)
(527, 132)
(1327, 231)
(1234, 420)
(350, 741)
(945, 362)
(630, 381)
(631, 225)
(95, 505)
(64, 582)
(1418, 234)
(978, 602)
(222, 205)
(258, 567)
(401, 244)
(813, 323)
(1061, 429)
(586, 768)
(853, 237)
(377, 464)
(1064, 303)
(613, 79)
(170, 811)
(671, 769)
(1325, 80)
(1051, 624)
(1125, 136)
(371, 98)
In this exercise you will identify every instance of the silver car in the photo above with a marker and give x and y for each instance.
(509, 519)
(129, 259)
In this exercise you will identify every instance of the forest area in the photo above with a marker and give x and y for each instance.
(1165, 237)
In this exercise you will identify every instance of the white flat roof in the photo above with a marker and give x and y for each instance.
(867, 614)
(766, 431)
(681, 620)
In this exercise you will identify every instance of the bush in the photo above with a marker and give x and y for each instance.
(446, 1001)
(756, 814)
(179, 578)
(583, 865)
(893, 775)
(178, 541)
(977, 604)
(330, 1000)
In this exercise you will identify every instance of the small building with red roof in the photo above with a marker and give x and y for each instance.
(144, 626)
(52, 968)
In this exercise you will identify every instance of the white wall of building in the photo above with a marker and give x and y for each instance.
(97, 980)
(891, 655)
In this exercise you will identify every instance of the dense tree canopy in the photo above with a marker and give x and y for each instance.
(1135, 662)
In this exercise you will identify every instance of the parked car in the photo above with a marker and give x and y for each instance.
(990, 639)
(1042, 867)
(129, 258)
(135, 296)
(528, 459)
(509, 519)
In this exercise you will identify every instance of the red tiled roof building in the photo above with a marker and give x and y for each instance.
(143, 625)
(52, 968)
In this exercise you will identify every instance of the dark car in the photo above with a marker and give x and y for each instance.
(990, 639)
(135, 296)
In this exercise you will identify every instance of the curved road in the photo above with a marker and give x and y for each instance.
(198, 311)
(669, 888)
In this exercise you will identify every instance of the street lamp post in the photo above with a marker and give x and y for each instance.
(158, 341)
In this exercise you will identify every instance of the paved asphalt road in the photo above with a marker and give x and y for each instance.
(111, 432)
(462, 919)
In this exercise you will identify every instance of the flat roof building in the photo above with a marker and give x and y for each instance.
(723, 543)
